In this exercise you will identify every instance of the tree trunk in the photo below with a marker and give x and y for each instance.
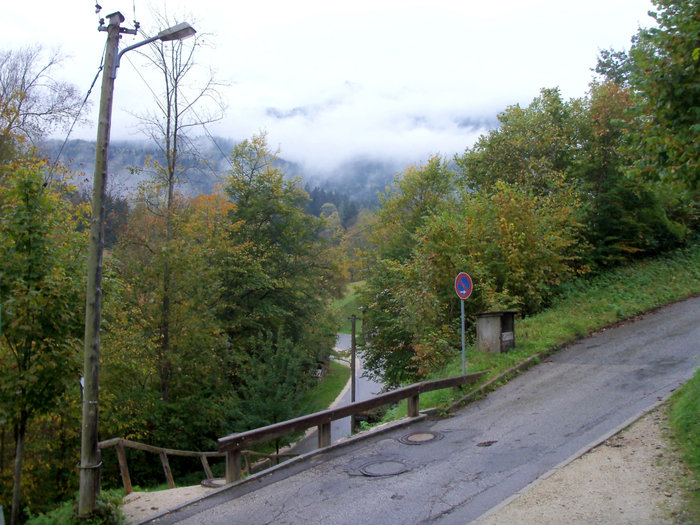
(2, 450)
(165, 363)
(171, 160)
(165, 358)
(20, 431)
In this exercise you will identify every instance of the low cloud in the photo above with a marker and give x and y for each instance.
(333, 81)
(357, 120)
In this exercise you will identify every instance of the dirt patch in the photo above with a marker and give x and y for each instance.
(633, 477)
(140, 505)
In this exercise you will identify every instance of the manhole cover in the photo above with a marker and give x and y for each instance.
(419, 438)
(379, 468)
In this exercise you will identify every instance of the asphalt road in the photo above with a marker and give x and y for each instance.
(340, 428)
(488, 450)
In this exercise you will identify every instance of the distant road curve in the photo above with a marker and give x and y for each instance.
(340, 428)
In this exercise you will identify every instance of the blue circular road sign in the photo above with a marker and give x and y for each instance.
(463, 285)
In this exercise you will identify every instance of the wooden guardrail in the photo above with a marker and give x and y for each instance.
(120, 444)
(233, 444)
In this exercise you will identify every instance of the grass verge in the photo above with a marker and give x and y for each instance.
(581, 308)
(328, 388)
(684, 415)
(348, 305)
(106, 512)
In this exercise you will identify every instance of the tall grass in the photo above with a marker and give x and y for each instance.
(581, 308)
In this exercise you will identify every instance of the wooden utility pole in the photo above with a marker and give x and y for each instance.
(90, 460)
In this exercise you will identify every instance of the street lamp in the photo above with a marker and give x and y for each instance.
(177, 32)
(90, 461)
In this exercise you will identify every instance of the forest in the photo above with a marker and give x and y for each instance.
(217, 306)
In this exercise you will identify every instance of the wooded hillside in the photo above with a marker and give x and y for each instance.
(217, 299)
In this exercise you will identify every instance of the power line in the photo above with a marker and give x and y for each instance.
(77, 116)
(209, 135)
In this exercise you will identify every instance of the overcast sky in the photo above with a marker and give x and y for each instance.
(331, 80)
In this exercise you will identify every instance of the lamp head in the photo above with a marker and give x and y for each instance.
(177, 32)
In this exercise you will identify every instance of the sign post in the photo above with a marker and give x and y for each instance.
(353, 372)
(463, 287)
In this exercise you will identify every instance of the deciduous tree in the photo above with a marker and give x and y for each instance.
(390, 293)
(666, 74)
(32, 101)
(137, 403)
(41, 294)
(624, 217)
(534, 146)
(180, 106)
(517, 245)
(282, 276)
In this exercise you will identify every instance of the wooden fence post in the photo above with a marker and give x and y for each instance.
(324, 435)
(248, 468)
(166, 469)
(413, 406)
(233, 465)
(124, 468)
(207, 470)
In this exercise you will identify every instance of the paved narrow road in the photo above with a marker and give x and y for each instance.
(488, 450)
(340, 428)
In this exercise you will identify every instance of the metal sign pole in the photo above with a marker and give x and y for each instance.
(353, 372)
(464, 362)
(463, 287)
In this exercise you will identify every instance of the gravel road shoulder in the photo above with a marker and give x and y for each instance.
(634, 477)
